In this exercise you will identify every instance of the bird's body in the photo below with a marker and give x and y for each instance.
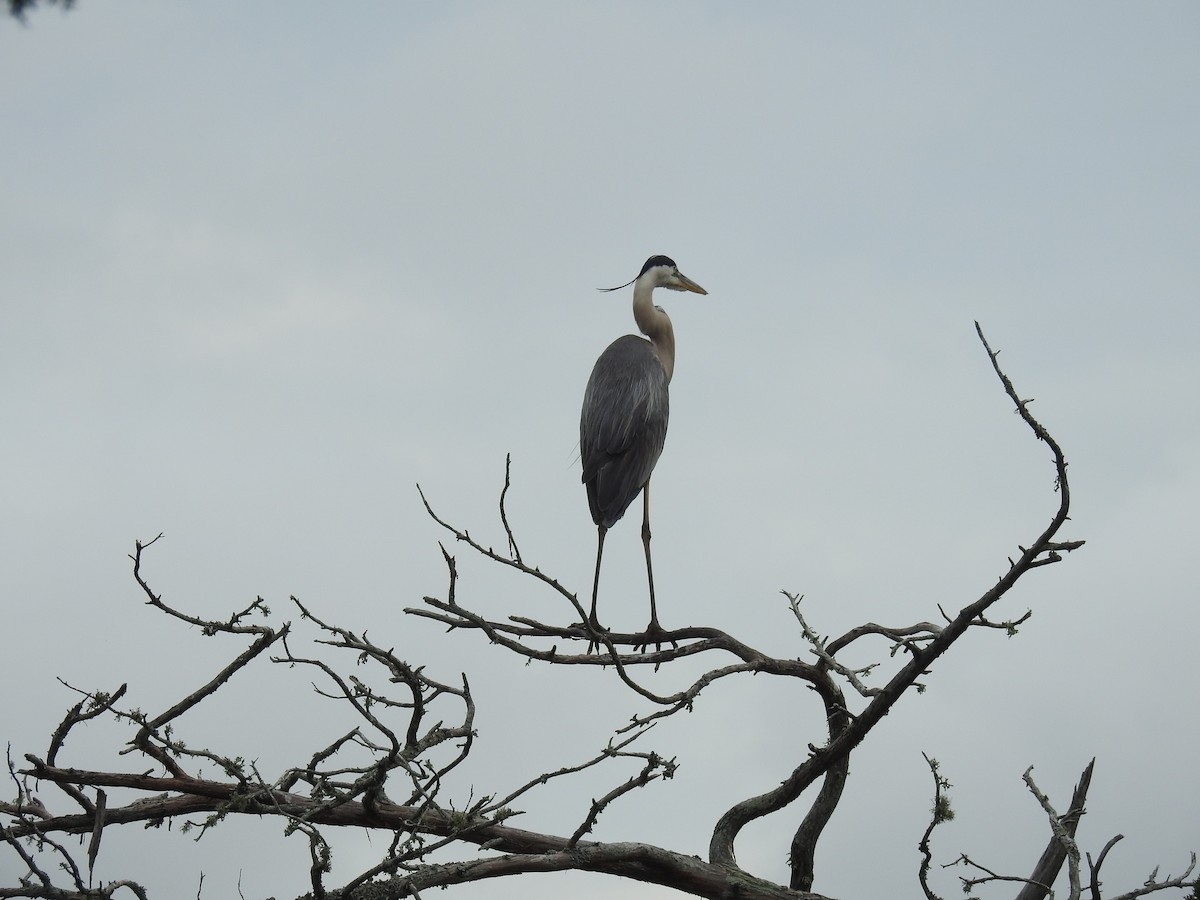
(623, 425)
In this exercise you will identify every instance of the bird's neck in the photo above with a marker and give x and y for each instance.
(655, 324)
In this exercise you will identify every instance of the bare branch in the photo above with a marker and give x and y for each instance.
(97, 704)
(150, 728)
(232, 626)
(512, 541)
(1153, 884)
(1057, 851)
(827, 658)
(1064, 831)
(843, 741)
(1094, 868)
(631, 860)
(656, 767)
(512, 562)
(401, 735)
(989, 876)
(940, 813)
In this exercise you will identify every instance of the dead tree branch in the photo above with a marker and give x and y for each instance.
(1061, 841)
(922, 644)
(411, 732)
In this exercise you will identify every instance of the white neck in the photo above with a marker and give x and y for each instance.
(654, 323)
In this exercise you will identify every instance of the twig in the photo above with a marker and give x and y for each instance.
(990, 876)
(512, 541)
(651, 772)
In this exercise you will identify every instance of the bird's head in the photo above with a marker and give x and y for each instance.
(661, 271)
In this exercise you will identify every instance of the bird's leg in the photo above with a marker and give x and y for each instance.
(653, 630)
(646, 543)
(594, 623)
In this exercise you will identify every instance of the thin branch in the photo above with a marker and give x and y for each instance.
(266, 637)
(969, 884)
(827, 658)
(1094, 867)
(656, 767)
(514, 563)
(97, 704)
(609, 752)
(941, 812)
(1152, 884)
(208, 627)
(512, 541)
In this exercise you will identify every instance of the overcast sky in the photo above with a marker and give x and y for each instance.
(264, 267)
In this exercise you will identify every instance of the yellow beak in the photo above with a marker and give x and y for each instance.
(690, 285)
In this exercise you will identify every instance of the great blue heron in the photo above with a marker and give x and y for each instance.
(624, 421)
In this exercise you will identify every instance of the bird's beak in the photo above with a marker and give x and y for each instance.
(688, 285)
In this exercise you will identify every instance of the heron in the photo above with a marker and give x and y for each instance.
(623, 425)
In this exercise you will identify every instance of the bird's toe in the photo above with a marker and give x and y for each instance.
(657, 635)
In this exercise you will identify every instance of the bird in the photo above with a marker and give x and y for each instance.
(623, 424)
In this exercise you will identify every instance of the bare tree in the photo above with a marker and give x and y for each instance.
(393, 771)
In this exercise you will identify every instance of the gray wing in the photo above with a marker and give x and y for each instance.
(623, 426)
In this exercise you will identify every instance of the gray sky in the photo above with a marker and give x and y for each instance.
(265, 266)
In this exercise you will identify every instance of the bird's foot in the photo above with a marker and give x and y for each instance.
(592, 627)
(657, 635)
